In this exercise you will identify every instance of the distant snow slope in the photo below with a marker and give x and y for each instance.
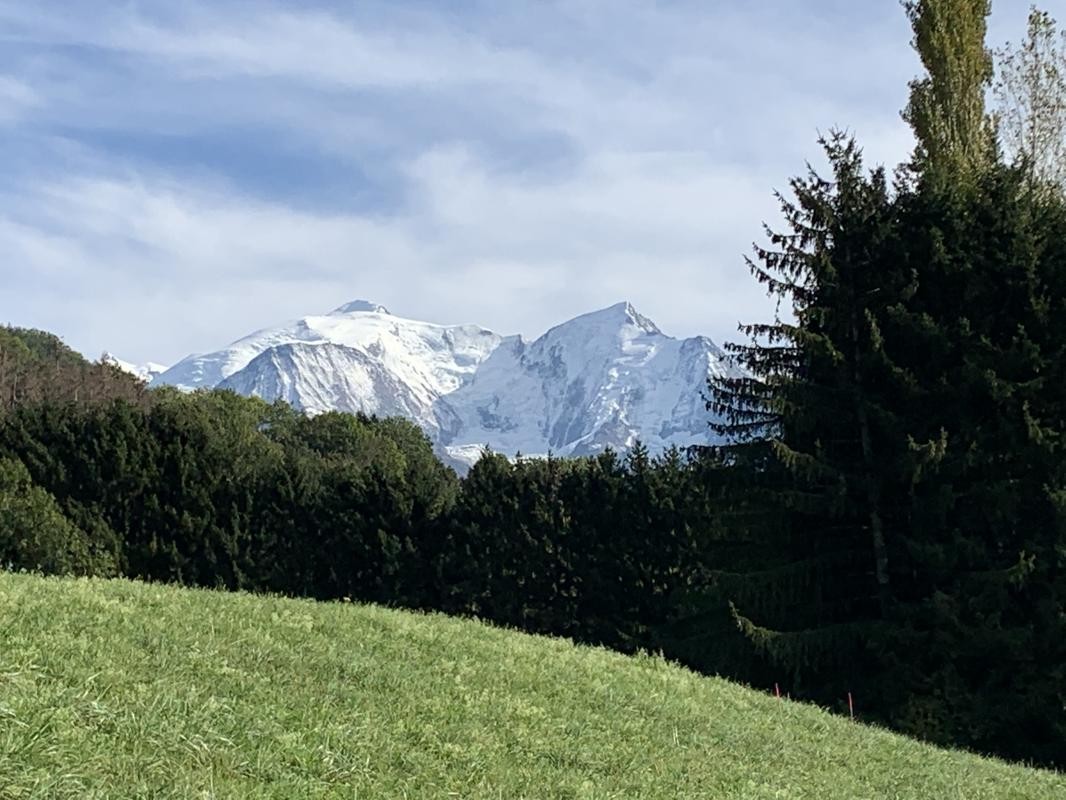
(603, 379)
(146, 372)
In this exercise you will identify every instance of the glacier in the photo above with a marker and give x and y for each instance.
(601, 380)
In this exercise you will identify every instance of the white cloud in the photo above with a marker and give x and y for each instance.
(541, 164)
(623, 227)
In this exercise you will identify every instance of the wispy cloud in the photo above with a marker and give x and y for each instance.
(544, 250)
(183, 173)
(16, 98)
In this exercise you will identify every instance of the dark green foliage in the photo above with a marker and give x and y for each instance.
(897, 459)
(823, 455)
(981, 616)
(591, 548)
(214, 489)
(357, 499)
(34, 534)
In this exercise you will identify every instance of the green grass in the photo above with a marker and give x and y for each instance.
(123, 690)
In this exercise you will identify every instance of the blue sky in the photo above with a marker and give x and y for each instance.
(178, 174)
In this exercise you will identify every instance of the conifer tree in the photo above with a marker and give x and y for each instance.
(34, 534)
(812, 429)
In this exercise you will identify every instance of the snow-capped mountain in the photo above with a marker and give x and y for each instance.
(146, 372)
(357, 358)
(603, 379)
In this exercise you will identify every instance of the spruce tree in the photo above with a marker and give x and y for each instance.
(813, 429)
(980, 632)
(34, 534)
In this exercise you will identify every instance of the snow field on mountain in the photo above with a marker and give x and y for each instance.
(603, 379)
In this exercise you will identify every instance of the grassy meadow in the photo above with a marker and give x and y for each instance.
(116, 689)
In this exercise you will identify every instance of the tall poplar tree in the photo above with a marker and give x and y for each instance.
(947, 107)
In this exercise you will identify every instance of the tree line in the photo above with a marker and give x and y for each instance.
(218, 490)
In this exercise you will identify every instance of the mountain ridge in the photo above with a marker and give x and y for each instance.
(603, 379)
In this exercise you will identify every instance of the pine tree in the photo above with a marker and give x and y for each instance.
(896, 446)
(978, 634)
(813, 431)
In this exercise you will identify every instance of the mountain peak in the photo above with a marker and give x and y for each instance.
(618, 322)
(356, 306)
(603, 379)
(624, 313)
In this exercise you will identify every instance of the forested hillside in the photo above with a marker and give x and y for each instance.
(214, 489)
(36, 365)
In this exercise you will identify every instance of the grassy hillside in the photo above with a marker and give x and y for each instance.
(119, 689)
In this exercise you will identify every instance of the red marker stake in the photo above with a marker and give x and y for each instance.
(777, 691)
(851, 706)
